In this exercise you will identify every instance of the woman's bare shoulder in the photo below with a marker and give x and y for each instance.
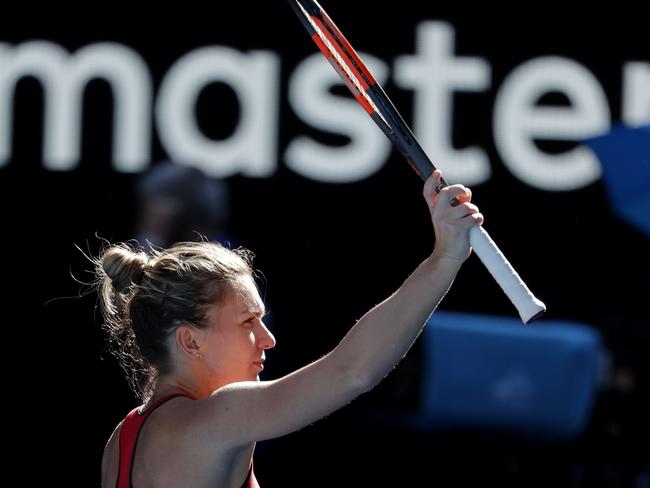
(110, 459)
(186, 425)
(174, 421)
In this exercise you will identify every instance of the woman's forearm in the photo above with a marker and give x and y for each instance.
(382, 337)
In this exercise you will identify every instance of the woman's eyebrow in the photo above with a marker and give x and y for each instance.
(257, 311)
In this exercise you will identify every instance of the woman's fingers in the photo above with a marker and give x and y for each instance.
(465, 197)
(461, 193)
(477, 218)
(447, 195)
(453, 201)
(462, 210)
(452, 214)
(429, 190)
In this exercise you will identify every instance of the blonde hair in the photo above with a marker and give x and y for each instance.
(144, 297)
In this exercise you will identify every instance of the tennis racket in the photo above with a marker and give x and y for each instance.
(376, 103)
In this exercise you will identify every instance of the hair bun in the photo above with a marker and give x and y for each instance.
(123, 266)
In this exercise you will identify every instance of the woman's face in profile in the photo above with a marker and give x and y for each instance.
(236, 338)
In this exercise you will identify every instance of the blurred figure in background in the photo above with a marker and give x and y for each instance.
(178, 203)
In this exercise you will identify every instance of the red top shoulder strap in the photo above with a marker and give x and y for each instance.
(129, 433)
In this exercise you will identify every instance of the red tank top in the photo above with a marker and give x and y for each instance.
(129, 433)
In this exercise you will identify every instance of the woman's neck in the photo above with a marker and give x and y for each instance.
(169, 386)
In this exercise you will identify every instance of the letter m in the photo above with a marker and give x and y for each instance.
(64, 77)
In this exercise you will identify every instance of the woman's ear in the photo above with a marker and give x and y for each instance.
(189, 339)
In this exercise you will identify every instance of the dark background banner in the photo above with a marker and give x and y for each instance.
(329, 247)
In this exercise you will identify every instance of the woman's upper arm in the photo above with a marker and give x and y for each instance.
(110, 458)
(245, 412)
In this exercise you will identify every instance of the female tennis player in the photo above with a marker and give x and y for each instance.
(187, 323)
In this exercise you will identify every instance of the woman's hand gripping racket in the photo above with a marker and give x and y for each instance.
(374, 100)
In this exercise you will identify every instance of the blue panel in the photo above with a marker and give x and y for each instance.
(492, 372)
(624, 154)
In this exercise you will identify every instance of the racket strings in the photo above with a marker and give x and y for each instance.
(341, 62)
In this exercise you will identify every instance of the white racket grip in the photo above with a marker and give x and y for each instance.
(527, 305)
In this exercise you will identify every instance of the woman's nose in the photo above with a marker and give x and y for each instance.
(265, 339)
